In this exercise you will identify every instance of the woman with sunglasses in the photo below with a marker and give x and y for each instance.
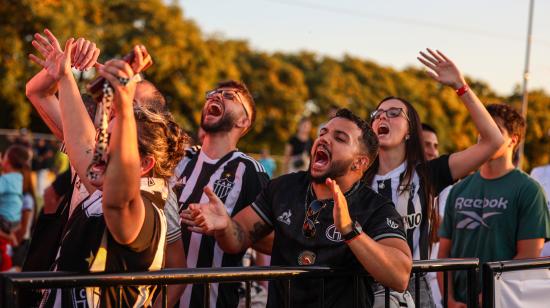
(401, 171)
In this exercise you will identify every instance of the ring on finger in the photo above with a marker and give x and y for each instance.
(123, 81)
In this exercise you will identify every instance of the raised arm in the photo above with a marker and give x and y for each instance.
(41, 89)
(123, 207)
(388, 260)
(233, 235)
(462, 163)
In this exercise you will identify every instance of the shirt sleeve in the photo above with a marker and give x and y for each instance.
(171, 211)
(149, 235)
(440, 173)
(263, 205)
(28, 203)
(385, 223)
(446, 228)
(534, 217)
(256, 179)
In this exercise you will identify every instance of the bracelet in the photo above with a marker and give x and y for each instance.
(460, 91)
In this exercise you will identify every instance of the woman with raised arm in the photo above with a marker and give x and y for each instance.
(121, 225)
(401, 171)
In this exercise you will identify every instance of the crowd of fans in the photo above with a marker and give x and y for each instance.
(365, 194)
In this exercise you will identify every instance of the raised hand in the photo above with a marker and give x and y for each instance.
(121, 77)
(442, 68)
(57, 62)
(84, 56)
(142, 59)
(206, 217)
(340, 211)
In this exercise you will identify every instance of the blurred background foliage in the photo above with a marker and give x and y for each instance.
(286, 86)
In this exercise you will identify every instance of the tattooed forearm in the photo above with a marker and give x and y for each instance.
(259, 231)
(238, 232)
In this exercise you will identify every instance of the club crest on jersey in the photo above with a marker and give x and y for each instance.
(222, 187)
(333, 234)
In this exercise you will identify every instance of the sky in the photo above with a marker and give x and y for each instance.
(485, 38)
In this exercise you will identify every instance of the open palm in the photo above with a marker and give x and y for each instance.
(442, 68)
(206, 217)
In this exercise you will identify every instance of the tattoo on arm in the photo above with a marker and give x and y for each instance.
(238, 232)
(259, 231)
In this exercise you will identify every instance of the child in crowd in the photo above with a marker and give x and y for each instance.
(16, 159)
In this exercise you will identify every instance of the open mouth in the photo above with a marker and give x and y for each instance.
(99, 167)
(321, 158)
(214, 109)
(383, 129)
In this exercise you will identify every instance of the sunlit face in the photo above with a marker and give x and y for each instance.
(430, 144)
(220, 113)
(334, 150)
(391, 132)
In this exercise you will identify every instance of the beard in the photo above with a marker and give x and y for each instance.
(223, 125)
(337, 169)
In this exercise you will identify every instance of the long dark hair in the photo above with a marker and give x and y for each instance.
(414, 156)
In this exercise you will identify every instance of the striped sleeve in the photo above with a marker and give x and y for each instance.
(171, 210)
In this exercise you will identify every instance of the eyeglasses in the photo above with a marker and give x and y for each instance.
(312, 213)
(230, 95)
(392, 112)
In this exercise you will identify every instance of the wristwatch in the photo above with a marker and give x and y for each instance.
(355, 231)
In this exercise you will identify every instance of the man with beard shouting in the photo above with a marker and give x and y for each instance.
(324, 217)
(235, 178)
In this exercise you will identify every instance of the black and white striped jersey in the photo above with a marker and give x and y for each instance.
(236, 179)
(87, 246)
(410, 201)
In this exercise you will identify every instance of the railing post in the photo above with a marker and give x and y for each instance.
(206, 298)
(472, 288)
(164, 290)
(355, 291)
(322, 292)
(287, 297)
(488, 278)
(416, 290)
(386, 297)
(247, 294)
(446, 288)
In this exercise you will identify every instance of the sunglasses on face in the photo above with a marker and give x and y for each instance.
(230, 95)
(392, 112)
(312, 213)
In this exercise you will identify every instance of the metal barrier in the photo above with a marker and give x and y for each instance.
(11, 283)
(491, 269)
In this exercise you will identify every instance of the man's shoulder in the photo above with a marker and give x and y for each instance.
(250, 163)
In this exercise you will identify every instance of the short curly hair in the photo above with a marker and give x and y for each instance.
(512, 120)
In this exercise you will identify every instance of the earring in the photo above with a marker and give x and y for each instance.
(407, 137)
(353, 167)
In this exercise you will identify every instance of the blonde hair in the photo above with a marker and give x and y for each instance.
(161, 137)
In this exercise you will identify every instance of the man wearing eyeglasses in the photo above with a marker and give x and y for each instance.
(235, 178)
(325, 217)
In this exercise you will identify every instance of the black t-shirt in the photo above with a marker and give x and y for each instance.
(282, 205)
(87, 246)
(299, 146)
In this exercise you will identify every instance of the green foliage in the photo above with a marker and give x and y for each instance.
(187, 64)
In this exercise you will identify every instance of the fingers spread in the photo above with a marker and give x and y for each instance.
(41, 49)
(429, 58)
(426, 63)
(435, 55)
(36, 60)
(53, 40)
